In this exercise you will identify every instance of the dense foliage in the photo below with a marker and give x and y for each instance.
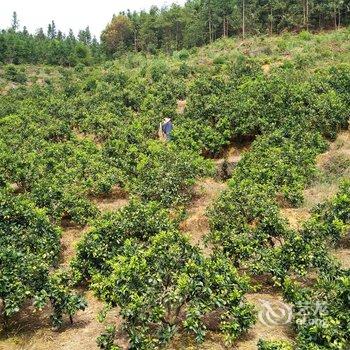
(322, 320)
(244, 220)
(202, 21)
(71, 135)
(293, 118)
(105, 240)
(274, 345)
(19, 46)
(170, 285)
(169, 29)
(321, 314)
(29, 250)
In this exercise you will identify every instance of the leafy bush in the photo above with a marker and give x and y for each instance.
(158, 69)
(207, 117)
(284, 160)
(219, 60)
(183, 55)
(12, 73)
(184, 70)
(245, 67)
(105, 240)
(170, 278)
(305, 35)
(63, 301)
(274, 345)
(106, 339)
(309, 247)
(322, 318)
(90, 85)
(30, 245)
(332, 219)
(244, 220)
(166, 174)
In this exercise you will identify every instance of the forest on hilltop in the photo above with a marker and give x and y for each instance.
(170, 29)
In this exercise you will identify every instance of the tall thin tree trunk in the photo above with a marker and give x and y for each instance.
(243, 20)
(271, 21)
(135, 41)
(210, 24)
(225, 27)
(210, 32)
(177, 35)
(307, 15)
(335, 17)
(319, 21)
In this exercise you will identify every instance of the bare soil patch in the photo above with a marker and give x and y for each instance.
(273, 321)
(343, 255)
(181, 106)
(32, 331)
(333, 166)
(71, 235)
(115, 200)
(196, 224)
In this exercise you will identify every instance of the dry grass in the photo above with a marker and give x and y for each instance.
(343, 255)
(342, 252)
(295, 216)
(333, 167)
(70, 237)
(181, 106)
(196, 225)
(282, 330)
(113, 201)
(266, 68)
(32, 331)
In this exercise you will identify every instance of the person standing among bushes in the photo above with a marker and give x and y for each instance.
(165, 129)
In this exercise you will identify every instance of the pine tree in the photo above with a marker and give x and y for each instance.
(40, 34)
(51, 30)
(71, 36)
(15, 22)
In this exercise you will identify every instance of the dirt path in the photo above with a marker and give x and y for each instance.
(273, 323)
(196, 226)
(71, 235)
(113, 201)
(207, 191)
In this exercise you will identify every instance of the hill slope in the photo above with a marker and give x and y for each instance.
(249, 200)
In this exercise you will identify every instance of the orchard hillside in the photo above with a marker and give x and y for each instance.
(113, 239)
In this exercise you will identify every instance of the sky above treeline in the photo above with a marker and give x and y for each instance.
(75, 14)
